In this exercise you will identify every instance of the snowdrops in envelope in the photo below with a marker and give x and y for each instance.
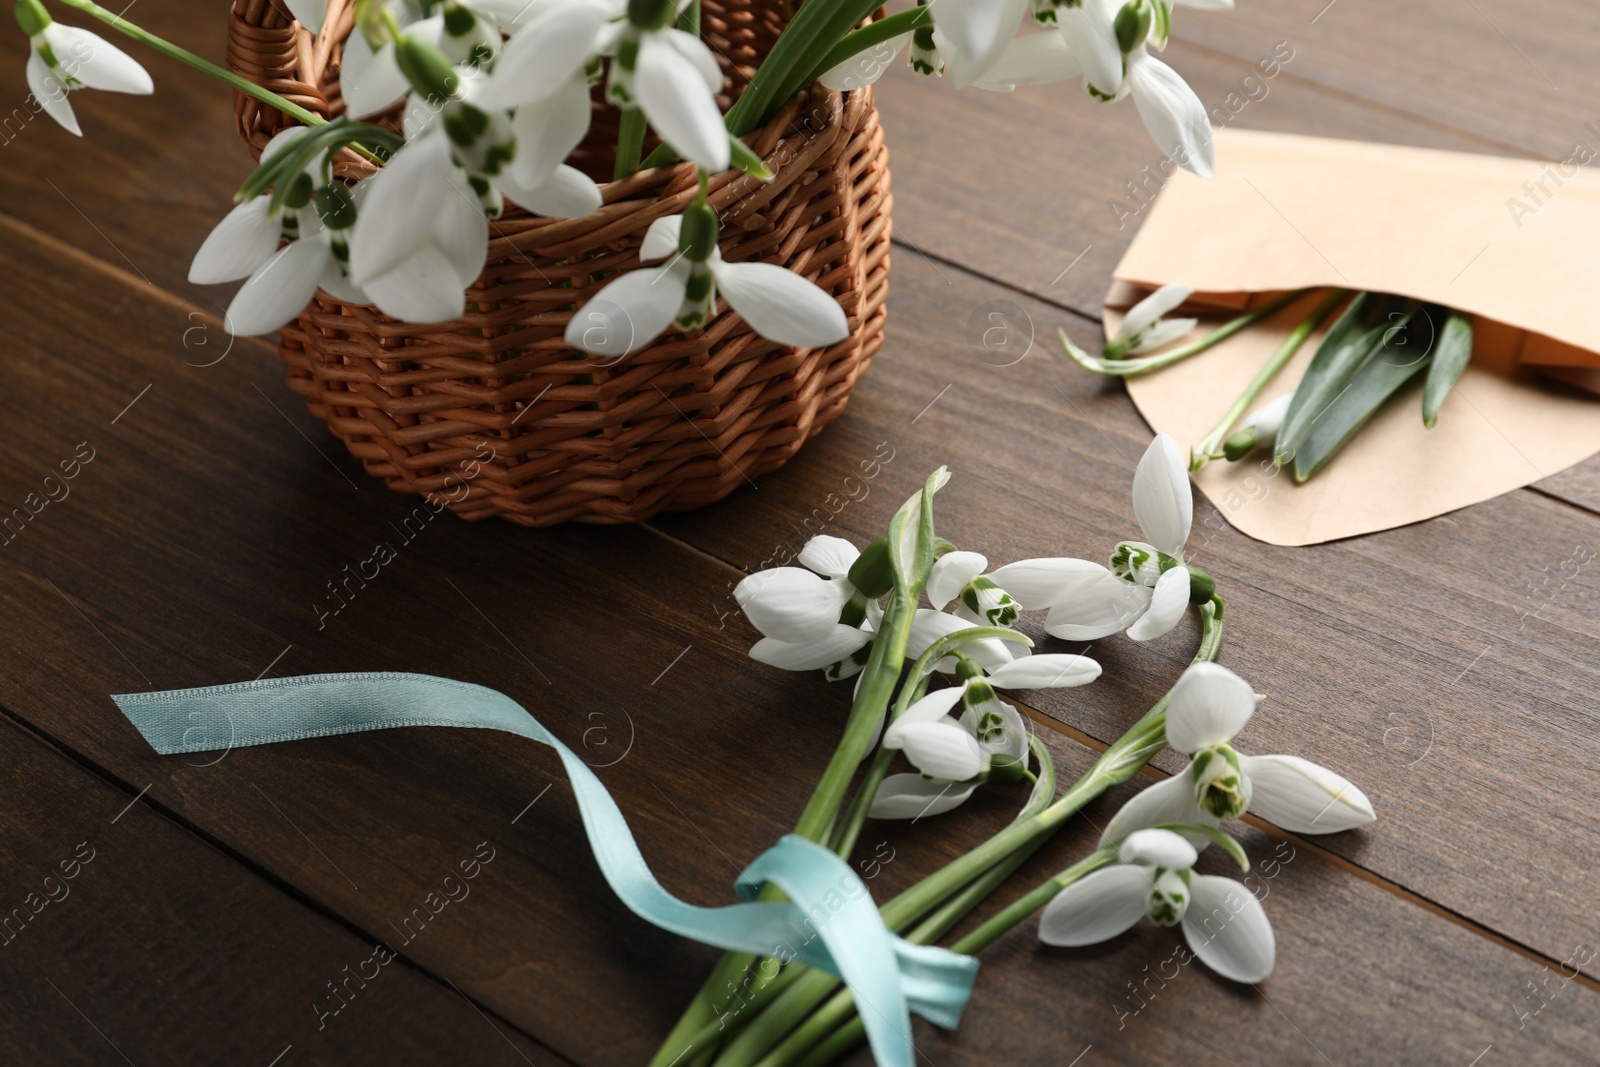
(1510, 241)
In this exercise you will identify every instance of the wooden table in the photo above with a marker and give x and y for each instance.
(1448, 667)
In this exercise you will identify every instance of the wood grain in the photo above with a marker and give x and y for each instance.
(364, 826)
(136, 938)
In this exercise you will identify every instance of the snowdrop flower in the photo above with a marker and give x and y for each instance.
(1144, 330)
(638, 306)
(1148, 585)
(1259, 430)
(543, 75)
(63, 58)
(1209, 705)
(371, 79)
(1104, 43)
(673, 77)
(281, 280)
(812, 616)
(421, 237)
(1224, 923)
(989, 742)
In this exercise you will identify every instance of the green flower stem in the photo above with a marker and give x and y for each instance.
(205, 66)
(877, 686)
(841, 1008)
(1120, 762)
(1127, 368)
(810, 35)
(1210, 445)
(630, 143)
(841, 1005)
(872, 35)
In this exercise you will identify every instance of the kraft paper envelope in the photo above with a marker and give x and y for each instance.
(1287, 212)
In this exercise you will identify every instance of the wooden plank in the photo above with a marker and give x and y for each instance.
(123, 934)
(1435, 58)
(1452, 630)
(197, 540)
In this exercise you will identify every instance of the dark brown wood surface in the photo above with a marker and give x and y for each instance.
(1441, 666)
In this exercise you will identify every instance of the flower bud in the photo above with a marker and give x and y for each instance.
(1239, 444)
(427, 70)
(650, 14)
(1132, 25)
(873, 572)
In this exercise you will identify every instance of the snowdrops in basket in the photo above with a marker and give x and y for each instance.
(911, 608)
(494, 97)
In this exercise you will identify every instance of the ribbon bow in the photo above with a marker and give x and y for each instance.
(889, 977)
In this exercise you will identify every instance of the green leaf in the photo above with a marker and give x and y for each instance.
(1451, 354)
(745, 159)
(1217, 837)
(1346, 343)
(1380, 377)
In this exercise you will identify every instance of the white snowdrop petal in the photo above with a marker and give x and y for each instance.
(422, 287)
(978, 31)
(402, 206)
(1157, 848)
(240, 243)
(911, 796)
(1168, 601)
(547, 53)
(1162, 499)
(780, 305)
(1031, 59)
(1102, 607)
(840, 642)
(1168, 801)
(370, 81)
(1042, 583)
(1303, 797)
(1162, 334)
(950, 574)
(1172, 113)
(567, 193)
(278, 290)
(790, 603)
(673, 94)
(309, 13)
(698, 54)
(51, 92)
(548, 130)
(828, 555)
(1052, 670)
(943, 750)
(96, 62)
(1087, 30)
(1146, 312)
(1227, 928)
(931, 708)
(630, 312)
(1097, 907)
(928, 626)
(460, 230)
(661, 239)
(1210, 704)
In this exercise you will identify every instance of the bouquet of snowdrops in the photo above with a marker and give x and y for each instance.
(911, 608)
(495, 95)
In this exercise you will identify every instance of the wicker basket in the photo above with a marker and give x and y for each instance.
(494, 413)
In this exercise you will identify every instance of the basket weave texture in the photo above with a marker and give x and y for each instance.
(493, 414)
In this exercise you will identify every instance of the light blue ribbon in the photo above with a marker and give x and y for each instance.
(829, 922)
